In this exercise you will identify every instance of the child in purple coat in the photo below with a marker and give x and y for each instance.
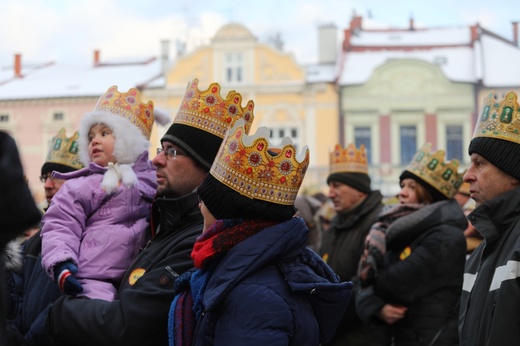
(96, 223)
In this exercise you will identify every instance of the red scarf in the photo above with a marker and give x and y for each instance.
(222, 236)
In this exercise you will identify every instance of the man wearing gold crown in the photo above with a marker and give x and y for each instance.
(36, 292)
(357, 207)
(489, 311)
(139, 313)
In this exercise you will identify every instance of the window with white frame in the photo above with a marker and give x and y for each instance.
(454, 142)
(408, 139)
(4, 118)
(278, 133)
(234, 67)
(362, 136)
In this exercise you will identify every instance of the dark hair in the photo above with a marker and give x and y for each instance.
(422, 194)
(429, 195)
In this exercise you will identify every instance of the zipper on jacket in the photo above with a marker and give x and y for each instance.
(146, 246)
(171, 271)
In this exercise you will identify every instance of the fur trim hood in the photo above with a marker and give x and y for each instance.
(13, 256)
(129, 144)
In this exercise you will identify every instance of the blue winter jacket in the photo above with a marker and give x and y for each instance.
(271, 290)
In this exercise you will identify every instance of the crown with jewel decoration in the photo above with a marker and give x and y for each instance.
(208, 111)
(431, 167)
(350, 159)
(249, 166)
(129, 106)
(499, 120)
(64, 151)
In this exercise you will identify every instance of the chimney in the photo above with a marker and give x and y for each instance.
(18, 65)
(96, 57)
(474, 30)
(327, 44)
(515, 33)
(165, 55)
(355, 23)
(412, 26)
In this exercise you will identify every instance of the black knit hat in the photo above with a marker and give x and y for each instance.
(358, 181)
(48, 167)
(436, 194)
(200, 145)
(203, 120)
(226, 203)
(501, 153)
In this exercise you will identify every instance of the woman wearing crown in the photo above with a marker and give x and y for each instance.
(254, 281)
(413, 261)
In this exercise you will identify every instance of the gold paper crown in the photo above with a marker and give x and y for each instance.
(430, 167)
(129, 106)
(64, 151)
(349, 160)
(208, 111)
(247, 165)
(499, 119)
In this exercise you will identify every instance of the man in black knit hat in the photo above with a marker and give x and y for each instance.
(489, 310)
(357, 207)
(139, 314)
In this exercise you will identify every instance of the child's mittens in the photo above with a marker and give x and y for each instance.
(67, 282)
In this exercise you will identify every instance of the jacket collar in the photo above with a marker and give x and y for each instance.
(346, 219)
(169, 214)
(496, 216)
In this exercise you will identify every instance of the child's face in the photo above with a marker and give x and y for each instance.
(101, 145)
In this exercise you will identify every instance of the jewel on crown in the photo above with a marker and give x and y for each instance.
(431, 167)
(350, 159)
(64, 150)
(208, 111)
(499, 119)
(247, 165)
(128, 105)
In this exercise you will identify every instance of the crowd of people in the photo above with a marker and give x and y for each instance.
(212, 242)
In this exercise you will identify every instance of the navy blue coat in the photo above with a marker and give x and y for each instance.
(38, 292)
(271, 290)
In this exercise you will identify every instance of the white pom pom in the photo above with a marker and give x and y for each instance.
(110, 181)
(128, 176)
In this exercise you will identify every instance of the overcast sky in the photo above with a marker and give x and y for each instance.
(67, 31)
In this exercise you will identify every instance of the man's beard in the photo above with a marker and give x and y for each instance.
(167, 191)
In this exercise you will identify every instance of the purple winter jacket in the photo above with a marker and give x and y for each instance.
(100, 233)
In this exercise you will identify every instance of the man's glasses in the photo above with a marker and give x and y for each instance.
(170, 153)
(43, 178)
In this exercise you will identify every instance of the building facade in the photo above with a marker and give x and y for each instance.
(401, 88)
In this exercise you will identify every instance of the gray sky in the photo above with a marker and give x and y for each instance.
(70, 30)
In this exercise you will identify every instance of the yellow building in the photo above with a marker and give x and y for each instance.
(291, 100)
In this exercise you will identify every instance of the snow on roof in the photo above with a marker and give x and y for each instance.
(65, 80)
(417, 38)
(455, 62)
(320, 73)
(501, 59)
